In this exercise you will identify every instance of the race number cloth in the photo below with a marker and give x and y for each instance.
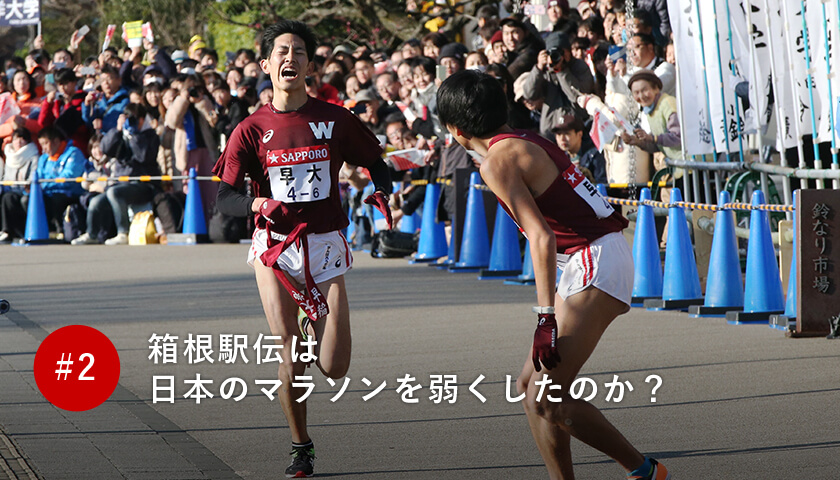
(294, 158)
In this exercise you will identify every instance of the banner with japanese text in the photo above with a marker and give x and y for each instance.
(16, 13)
(685, 24)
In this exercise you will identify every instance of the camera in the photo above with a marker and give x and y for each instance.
(556, 54)
(193, 92)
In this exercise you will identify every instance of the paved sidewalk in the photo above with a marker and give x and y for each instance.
(736, 402)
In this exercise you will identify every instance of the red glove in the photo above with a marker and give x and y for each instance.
(380, 201)
(545, 338)
(276, 216)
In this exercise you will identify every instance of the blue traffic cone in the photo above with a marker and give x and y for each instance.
(37, 229)
(787, 320)
(527, 276)
(194, 222)
(410, 223)
(725, 285)
(505, 257)
(681, 285)
(647, 274)
(475, 244)
(432, 243)
(763, 291)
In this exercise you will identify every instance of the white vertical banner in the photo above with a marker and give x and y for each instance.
(761, 79)
(819, 75)
(795, 62)
(686, 27)
(742, 58)
(721, 105)
(789, 104)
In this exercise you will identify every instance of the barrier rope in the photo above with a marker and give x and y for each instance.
(702, 206)
(439, 181)
(689, 205)
(142, 178)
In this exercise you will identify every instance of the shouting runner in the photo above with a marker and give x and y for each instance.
(570, 226)
(293, 149)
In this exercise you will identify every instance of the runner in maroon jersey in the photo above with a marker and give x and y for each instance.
(292, 149)
(570, 226)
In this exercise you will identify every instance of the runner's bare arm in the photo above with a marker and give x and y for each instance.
(501, 172)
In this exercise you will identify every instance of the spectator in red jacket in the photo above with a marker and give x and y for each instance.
(63, 108)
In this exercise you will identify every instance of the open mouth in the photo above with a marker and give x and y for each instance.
(288, 73)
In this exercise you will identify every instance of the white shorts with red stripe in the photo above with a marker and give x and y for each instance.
(329, 255)
(606, 264)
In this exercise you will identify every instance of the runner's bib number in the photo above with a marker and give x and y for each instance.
(299, 175)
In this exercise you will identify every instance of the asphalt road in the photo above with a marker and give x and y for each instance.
(736, 402)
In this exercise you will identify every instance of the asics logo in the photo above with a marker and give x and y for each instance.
(267, 136)
(338, 263)
(542, 321)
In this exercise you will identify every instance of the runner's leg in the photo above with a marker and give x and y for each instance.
(582, 320)
(281, 313)
(333, 333)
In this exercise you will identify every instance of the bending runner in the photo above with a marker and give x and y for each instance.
(292, 149)
(570, 226)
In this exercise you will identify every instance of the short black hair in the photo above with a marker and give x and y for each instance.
(425, 63)
(252, 57)
(294, 27)
(51, 133)
(135, 110)
(472, 102)
(109, 70)
(645, 39)
(23, 133)
(65, 75)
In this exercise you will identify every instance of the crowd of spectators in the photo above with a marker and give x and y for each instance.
(153, 111)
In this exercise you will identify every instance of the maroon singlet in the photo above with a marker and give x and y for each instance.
(572, 207)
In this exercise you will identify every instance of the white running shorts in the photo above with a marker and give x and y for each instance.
(606, 264)
(329, 255)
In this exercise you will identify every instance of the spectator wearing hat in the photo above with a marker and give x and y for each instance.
(560, 17)
(63, 108)
(558, 78)
(265, 91)
(452, 57)
(196, 48)
(571, 136)
(523, 47)
(660, 110)
(178, 57)
(519, 115)
(24, 93)
(495, 49)
(367, 109)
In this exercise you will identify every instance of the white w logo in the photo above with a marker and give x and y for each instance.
(322, 130)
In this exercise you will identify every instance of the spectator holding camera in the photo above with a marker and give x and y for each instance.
(134, 150)
(189, 124)
(104, 107)
(558, 78)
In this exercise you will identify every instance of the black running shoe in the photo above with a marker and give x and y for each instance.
(303, 462)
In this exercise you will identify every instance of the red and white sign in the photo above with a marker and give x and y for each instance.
(406, 159)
